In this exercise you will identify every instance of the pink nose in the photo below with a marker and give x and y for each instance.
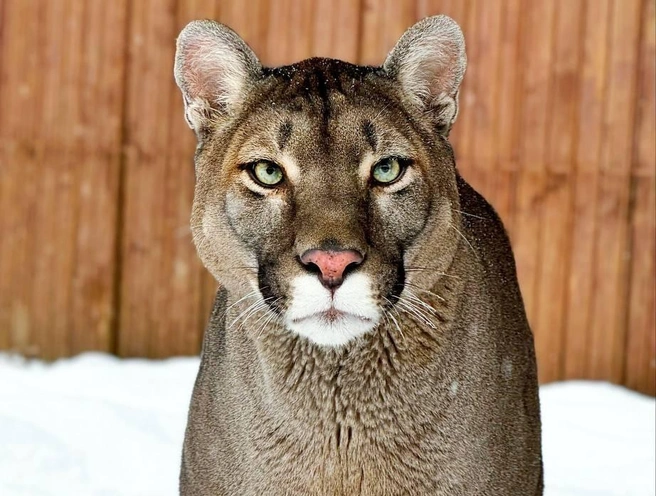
(332, 264)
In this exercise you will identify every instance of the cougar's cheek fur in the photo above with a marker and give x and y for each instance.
(369, 310)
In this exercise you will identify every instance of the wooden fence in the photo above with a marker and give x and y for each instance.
(556, 129)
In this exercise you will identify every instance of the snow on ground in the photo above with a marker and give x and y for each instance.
(97, 425)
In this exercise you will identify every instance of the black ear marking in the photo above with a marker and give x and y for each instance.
(284, 133)
(369, 132)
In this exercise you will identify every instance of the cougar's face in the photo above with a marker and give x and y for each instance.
(318, 198)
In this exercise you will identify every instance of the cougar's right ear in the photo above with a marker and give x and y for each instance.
(214, 69)
(429, 62)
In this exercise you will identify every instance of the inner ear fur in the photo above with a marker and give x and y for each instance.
(214, 69)
(429, 62)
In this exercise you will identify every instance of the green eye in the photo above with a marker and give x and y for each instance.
(387, 170)
(267, 173)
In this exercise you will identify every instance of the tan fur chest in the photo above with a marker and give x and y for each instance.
(355, 427)
(337, 458)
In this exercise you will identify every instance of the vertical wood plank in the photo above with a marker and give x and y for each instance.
(5, 341)
(608, 326)
(593, 90)
(645, 153)
(455, 9)
(289, 37)
(150, 51)
(54, 233)
(557, 202)
(510, 72)
(537, 55)
(640, 359)
(484, 74)
(41, 255)
(478, 141)
(336, 31)
(250, 20)
(536, 58)
(383, 23)
(507, 122)
(20, 169)
(52, 142)
(640, 362)
(101, 92)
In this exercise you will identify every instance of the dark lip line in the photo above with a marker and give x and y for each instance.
(318, 314)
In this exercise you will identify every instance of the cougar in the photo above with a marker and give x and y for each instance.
(369, 336)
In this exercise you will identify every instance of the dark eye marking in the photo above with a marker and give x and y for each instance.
(284, 133)
(369, 132)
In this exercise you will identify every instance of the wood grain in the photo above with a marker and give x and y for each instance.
(61, 92)
(21, 99)
(507, 127)
(532, 181)
(640, 362)
(152, 30)
(592, 96)
(557, 204)
(93, 308)
(383, 23)
(611, 268)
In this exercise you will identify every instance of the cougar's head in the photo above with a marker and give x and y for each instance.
(327, 190)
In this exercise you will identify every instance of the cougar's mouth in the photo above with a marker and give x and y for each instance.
(332, 319)
(331, 316)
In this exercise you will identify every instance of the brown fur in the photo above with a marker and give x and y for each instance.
(440, 398)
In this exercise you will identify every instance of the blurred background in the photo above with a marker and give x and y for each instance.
(556, 129)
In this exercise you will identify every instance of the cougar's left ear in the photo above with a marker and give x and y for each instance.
(429, 62)
(214, 69)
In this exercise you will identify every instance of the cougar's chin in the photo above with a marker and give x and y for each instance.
(332, 319)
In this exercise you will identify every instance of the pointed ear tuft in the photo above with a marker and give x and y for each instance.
(214, 69)
(429, 62)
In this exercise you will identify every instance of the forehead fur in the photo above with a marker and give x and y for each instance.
(326, 101)
(320, 87)
(315, 79)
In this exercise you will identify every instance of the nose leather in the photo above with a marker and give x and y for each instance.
(331, 264)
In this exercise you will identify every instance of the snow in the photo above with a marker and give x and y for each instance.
(98, 425)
